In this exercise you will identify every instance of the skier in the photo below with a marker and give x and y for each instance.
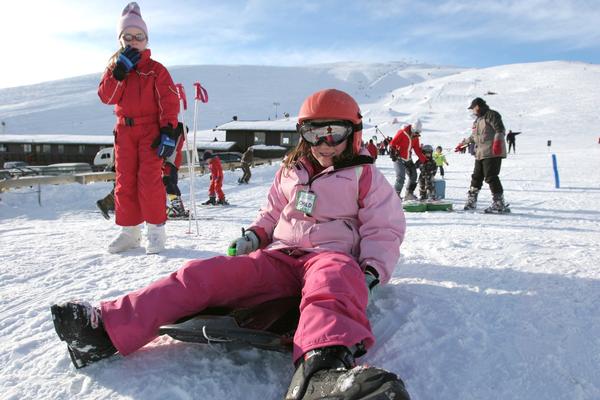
(428, 170)
(510, 138)
(216, 180)
(488, 136)
(372, 149)
(330, 231)
(171, 166)
(246, 163)
(406, 140)
(146, 105)
(440, 160)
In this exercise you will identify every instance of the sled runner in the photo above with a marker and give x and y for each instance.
(267, 326)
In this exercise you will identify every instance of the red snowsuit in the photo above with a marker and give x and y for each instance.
(144, 101)
(216, 178)
(372, 150)
(404, 143)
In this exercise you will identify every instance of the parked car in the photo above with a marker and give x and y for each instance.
(105, 157)
(15, 164)
(229, 156)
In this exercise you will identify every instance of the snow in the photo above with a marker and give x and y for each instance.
(480, 306)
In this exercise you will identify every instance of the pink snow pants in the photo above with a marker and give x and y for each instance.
(332, 309)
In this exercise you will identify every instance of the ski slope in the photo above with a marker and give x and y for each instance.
(480, 306)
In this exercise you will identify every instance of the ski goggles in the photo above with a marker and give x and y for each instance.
(330, 132)
(128, 37)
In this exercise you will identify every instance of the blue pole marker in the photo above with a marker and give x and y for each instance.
(555, 167)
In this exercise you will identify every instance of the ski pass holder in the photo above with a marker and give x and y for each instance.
(305, 201)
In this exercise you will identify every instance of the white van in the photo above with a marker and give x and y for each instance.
(105, 157)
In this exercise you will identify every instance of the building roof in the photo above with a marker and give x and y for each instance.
(217, 146)
(281, 125)
(59, 139)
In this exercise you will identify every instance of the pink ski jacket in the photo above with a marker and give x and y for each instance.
(356, 212)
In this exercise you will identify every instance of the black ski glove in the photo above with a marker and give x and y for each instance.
(371, 279)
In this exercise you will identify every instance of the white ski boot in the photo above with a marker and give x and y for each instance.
(157, 237)
(129, 238)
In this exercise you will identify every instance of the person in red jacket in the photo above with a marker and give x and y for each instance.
(372, 149)
(216, 180)
(406, 140)
(146, 106)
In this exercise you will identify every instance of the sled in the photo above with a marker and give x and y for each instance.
(439, 206)
(267, 326)
(414, 206)
(422, 206)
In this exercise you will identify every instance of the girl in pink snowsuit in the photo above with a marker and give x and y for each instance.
(330, 230)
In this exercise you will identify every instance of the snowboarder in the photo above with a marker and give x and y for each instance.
(146, 106)
(440, 160)
(488, 136)
(426, 175)
(246, 163)
(510, 138)
(405, 141)
(326, 189)
(216, 180)
(175, 209)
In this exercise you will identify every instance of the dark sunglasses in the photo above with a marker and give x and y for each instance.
(128, 37)
(330, 132)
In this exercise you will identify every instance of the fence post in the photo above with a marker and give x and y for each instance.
(555, 167)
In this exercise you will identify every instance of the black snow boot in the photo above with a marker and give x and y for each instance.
(80, 325)
(106, 204)
(176, 209)
(210, 202)
(330, 373)
(222, 202)
(498, 206)
(471, 203)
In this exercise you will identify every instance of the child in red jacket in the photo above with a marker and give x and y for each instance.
(216, 180)
(146, 105)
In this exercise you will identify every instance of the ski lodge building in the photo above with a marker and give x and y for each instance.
(269, 139)
(51, 149)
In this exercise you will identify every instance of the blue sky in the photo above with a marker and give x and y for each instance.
(46, 40)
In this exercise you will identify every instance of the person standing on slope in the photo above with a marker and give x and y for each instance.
(405, 141)
(146, 106)
(488, 136)
(330, 231)
(216, 180)
(512, 140)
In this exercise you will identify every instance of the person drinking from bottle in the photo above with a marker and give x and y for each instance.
(146, 106)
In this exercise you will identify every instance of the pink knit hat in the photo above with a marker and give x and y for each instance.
(131, 17)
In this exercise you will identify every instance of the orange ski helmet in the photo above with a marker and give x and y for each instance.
(333, 104)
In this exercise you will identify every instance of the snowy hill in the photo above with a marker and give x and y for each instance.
(72, 105)
(551, 100)
(479, 307)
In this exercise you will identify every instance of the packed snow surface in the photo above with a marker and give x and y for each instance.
(480, 306)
